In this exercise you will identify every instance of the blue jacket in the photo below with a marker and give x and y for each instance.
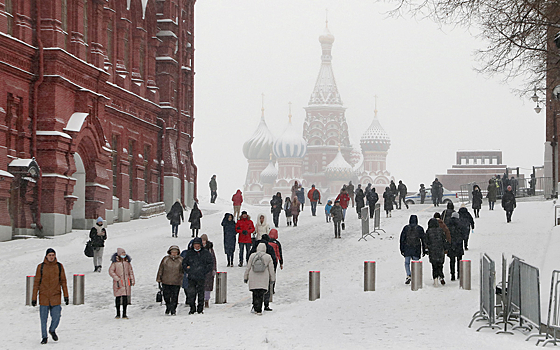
(412, 250)
(328, 209)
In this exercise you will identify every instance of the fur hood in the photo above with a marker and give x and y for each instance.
(116, 255)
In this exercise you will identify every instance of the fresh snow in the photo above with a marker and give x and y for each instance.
(345, 317)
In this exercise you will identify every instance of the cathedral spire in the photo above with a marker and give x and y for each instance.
(325, 91)
(262, 106)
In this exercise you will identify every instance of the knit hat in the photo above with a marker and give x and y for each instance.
(455, 215)
(197, 240)
(50, 250)
(243, 212)
(99, 219)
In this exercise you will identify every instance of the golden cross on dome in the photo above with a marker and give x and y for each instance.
(375, 110)
(290, 112)
(327, 18)
(262, 104)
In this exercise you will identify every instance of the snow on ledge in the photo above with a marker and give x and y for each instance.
(95, 184)
(53, 133)
(20, 162)
(76, 121)
(5, 173)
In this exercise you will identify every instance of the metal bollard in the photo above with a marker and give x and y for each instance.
(416, 270)
(369, 276)
(78, 291)
(314, 285)
(465, 280)
(221, 287)
(29, 281)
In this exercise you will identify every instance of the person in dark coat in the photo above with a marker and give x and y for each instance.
(359, 195)
(476, 200)
(388, 201)
(337, 217)
(276, 207)
(422, 191)
(455, 251)
(402, 194)
(175, 217)
(288, 211)
(446, 214)
(492, 194)
(508, 203)
(351, 192)
(367, 191)
(300, 197)
(372, 199)
(194, 219)
(468, 222)
(98, 235)
(213, 189)
(513, 183)
(436, 242)
(230, 235)
(209, 282)
(197, 263)
(412, 244)
(394, 193)
(435, 191)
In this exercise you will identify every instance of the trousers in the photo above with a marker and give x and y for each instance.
(247, 247)
(196, 291)
(258, 298)
(55, 311)
(97, 256)
(171, 297)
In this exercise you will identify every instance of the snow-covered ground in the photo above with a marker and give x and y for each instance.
(392, 317)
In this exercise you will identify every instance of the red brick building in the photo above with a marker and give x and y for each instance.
(100, 94)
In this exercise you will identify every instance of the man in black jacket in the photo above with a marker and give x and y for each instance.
(402, 194)
(508, 203)
(372, 198)
(276, 207)
(197, 263)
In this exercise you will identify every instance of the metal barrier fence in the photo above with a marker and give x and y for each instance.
(377, 219)
(530, 297)
(364, 213)
(487, 310)
(553, 318)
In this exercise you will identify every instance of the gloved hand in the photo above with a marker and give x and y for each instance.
(33, 302)
(159, 285)
(245, 281)
(66, 300)
(244, 232)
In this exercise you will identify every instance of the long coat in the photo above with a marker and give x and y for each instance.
(229, 234)
(359, 198)
(336, 213)
(122, 274)
(260, 280)
(436, 242)
(457, 237)
(388, 200)
(508, 201)
(276, 204)
(492, 192)
(195, 216)
(261, 229)
(175, 215)
(476, 199)
(209, 280)
(170, 270)
(52, 281)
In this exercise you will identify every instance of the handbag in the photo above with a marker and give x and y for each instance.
(88, 250)
(159, 295)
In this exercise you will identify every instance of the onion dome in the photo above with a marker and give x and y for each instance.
(290, 144)
(339, 169)
(375, 138)
(326, 37)
(270, 173)
(260, 144)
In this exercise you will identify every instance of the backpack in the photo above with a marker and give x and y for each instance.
(412, 237)
(258, 263)
(59, 273)
(316, 195)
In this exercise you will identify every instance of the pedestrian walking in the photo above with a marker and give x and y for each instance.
(344, 200)
(359, 196)
(295, 189)
(402, 194)
(245, 228)
(366, 192)
(259, 274)
(351, 192)
(468, 224)
(213, 189)
(508, 203)
(388, 201)
(98, 235)
(492, 194)
(288, 211)
(422, 191)
(175, 217)
(194, 219)
(275, 244)
(337, 216)
(395, 193)
(123, 280)
(209, 281)
(270, 251)
(513, 183)
(436, 191)
(197, 263)
(412, 244)
(237, 200)
(170, 278)
(446, 214)
(444, 227)
(276, 208)
(455, 252)
(301, 197)
(228, 225)
(476, 200)
(50, 285)
(262, 227)
(436, 242)
(314, 197)
(328, 207)
(372, 199)
(295, 211)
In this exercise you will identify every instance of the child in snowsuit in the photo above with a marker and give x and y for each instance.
(328, 210)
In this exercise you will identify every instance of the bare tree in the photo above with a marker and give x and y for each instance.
(519, 34)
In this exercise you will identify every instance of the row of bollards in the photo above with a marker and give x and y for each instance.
(77, 293)
(369, 278)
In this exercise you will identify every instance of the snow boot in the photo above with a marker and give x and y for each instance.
(267, 308)
(452, 277)
(206, 304)
(442, 281)
(44, 340)
(95, 270)
(99, 268)
(408, 280)
(240, 264)
(54, 336)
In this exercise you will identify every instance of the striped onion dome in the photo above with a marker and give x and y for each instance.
(290, 144)
(260, 144)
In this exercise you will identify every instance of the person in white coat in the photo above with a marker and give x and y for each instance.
(258, 277)
(261, 227)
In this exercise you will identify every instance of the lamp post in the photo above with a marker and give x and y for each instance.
(554, 141)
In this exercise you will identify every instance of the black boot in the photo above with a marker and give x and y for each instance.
(54, 336)
(44, 340)
(124, 306)
(118, 306)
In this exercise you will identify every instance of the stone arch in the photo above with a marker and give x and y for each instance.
(79, 208)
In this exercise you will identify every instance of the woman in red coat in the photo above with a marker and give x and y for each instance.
(244, 228)
(344, 200)
(237, 200)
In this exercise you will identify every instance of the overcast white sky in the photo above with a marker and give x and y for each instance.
(431, 101)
